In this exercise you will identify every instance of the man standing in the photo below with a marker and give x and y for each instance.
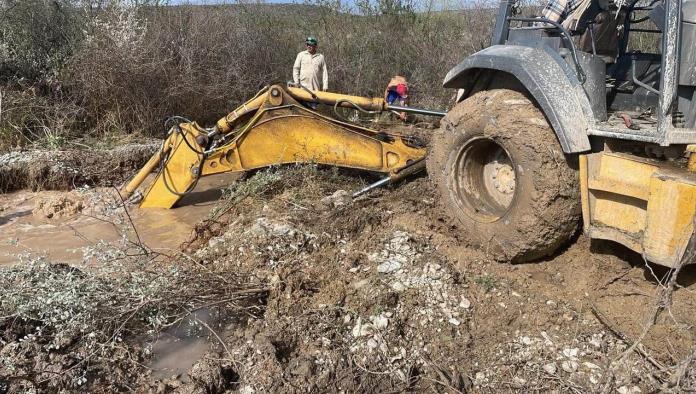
(310, 66)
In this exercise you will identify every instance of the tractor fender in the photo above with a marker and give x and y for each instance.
(546, 76)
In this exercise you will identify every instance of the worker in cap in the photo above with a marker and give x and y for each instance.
(310, 67)
(397, 93)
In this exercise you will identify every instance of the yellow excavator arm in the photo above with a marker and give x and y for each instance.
(270, 129)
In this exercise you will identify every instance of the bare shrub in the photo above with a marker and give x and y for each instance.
(201, 61)
(37, 38)
(27, 116)
(115, 67)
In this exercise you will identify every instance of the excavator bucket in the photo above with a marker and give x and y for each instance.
(273, 128)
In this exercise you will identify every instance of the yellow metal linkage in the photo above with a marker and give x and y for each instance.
(270, 129)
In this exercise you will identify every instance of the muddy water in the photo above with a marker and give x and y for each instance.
(177, 349)
(63, 238)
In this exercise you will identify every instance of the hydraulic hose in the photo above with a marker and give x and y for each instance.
(163, 159)
(352, 104)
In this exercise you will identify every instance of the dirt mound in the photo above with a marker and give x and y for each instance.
(66, 170)
(63, 205)
(380, 294)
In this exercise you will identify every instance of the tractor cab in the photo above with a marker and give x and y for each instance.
(634, 66)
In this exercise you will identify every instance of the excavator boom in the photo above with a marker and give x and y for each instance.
(270, 129)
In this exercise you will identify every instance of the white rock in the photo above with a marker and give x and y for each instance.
(519, 381)
(550, 368)
(388, 267)
(479, 378)
(379, 322)
(215, 241)
(590, 365)
(362, 329)
(454, 321)
(547, 339)
(465, 303)
(247, 390)
(280, 229)
(596, 342)
(526, 340)
(571, 352)
(372, 343)
(398, 286)
(339, 198)
(569, 366)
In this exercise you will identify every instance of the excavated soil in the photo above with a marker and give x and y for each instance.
(382, 294)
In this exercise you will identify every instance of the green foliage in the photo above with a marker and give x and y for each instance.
(487, 282)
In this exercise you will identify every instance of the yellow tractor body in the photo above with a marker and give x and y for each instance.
(645, 205)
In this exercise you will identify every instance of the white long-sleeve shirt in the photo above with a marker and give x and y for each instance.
(308, 69)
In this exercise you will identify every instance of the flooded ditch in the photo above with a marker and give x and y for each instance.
(60, 225)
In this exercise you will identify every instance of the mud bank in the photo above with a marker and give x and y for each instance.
(381, 295)
(66, 170)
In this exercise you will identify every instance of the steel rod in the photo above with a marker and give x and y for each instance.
(375, 185)
(420, 111)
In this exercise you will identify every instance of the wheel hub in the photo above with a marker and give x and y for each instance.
(485, 179)
(503, 178)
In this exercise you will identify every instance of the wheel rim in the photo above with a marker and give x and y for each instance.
(485, 180)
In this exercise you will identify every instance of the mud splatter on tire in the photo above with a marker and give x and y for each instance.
(546, 206)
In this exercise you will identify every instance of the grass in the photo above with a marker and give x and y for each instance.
(486, 282)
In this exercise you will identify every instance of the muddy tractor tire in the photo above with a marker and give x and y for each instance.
(503, 177)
